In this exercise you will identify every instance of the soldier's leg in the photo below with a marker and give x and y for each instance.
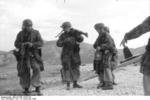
(113, 67)
(113, 75)
(76, 75)
(75, 70)
(65, 75)
(75, 66)
(66, 71)
(25, 80)
(146, 84)
(108, 76)
(100, 72)
(36, 76)
(100, 77)
(108, 79)
(94, 65)
(101, 80)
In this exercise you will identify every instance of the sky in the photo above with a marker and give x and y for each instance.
(47, 16)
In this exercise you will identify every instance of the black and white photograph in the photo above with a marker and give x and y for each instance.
(74, 48)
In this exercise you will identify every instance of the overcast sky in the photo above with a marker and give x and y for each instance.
(47, 15)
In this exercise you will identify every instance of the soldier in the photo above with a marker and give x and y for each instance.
(105, 57)
(136, 32)
(29, 43)
(70, 40)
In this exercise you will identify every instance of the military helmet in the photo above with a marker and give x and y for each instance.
(66, 24)
(27, 22)
(99, 26)
(107, 29)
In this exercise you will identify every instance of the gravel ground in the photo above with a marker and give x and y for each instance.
(129, 82)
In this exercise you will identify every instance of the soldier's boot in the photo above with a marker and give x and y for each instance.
(38, 90)
(114, 83)
(76, 85)
(108, 86)
(100, 85)
(68, 86)
(26, 91)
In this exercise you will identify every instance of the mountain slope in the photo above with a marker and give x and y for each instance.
(51, 54)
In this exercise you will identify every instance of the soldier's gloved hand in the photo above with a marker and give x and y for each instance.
(123, 42)
(70, 40)
(86, 34)
(104, 46)
(28, 44)
(98, 48)
(106, 51)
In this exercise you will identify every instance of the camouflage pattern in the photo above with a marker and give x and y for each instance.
(70, 57)
(107, 61)
(139, 30)
(136, 32)
(29, 58)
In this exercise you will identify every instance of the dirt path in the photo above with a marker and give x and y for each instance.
(128, 78)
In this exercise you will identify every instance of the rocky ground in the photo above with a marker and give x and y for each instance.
(128, 78)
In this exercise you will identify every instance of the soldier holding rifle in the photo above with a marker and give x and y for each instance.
(70, 40)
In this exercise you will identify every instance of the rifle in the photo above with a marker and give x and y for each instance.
(86, 34)
(59, 34)
(131, 60)
(20, 57)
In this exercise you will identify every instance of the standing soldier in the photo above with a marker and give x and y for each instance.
(29, 43)
(70, 40)
(139, 30)
(105, 57)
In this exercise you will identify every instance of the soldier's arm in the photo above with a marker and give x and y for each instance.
(18, 42)
(138, 30)
(81, 33)
(79, 36)
(60, 41)
(39, 41)
(95, 44)
(109, 44)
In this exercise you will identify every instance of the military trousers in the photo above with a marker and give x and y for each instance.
(31, 75)
(146, 84)
(107, 76)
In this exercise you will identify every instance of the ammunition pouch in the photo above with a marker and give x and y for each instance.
(17, 55)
